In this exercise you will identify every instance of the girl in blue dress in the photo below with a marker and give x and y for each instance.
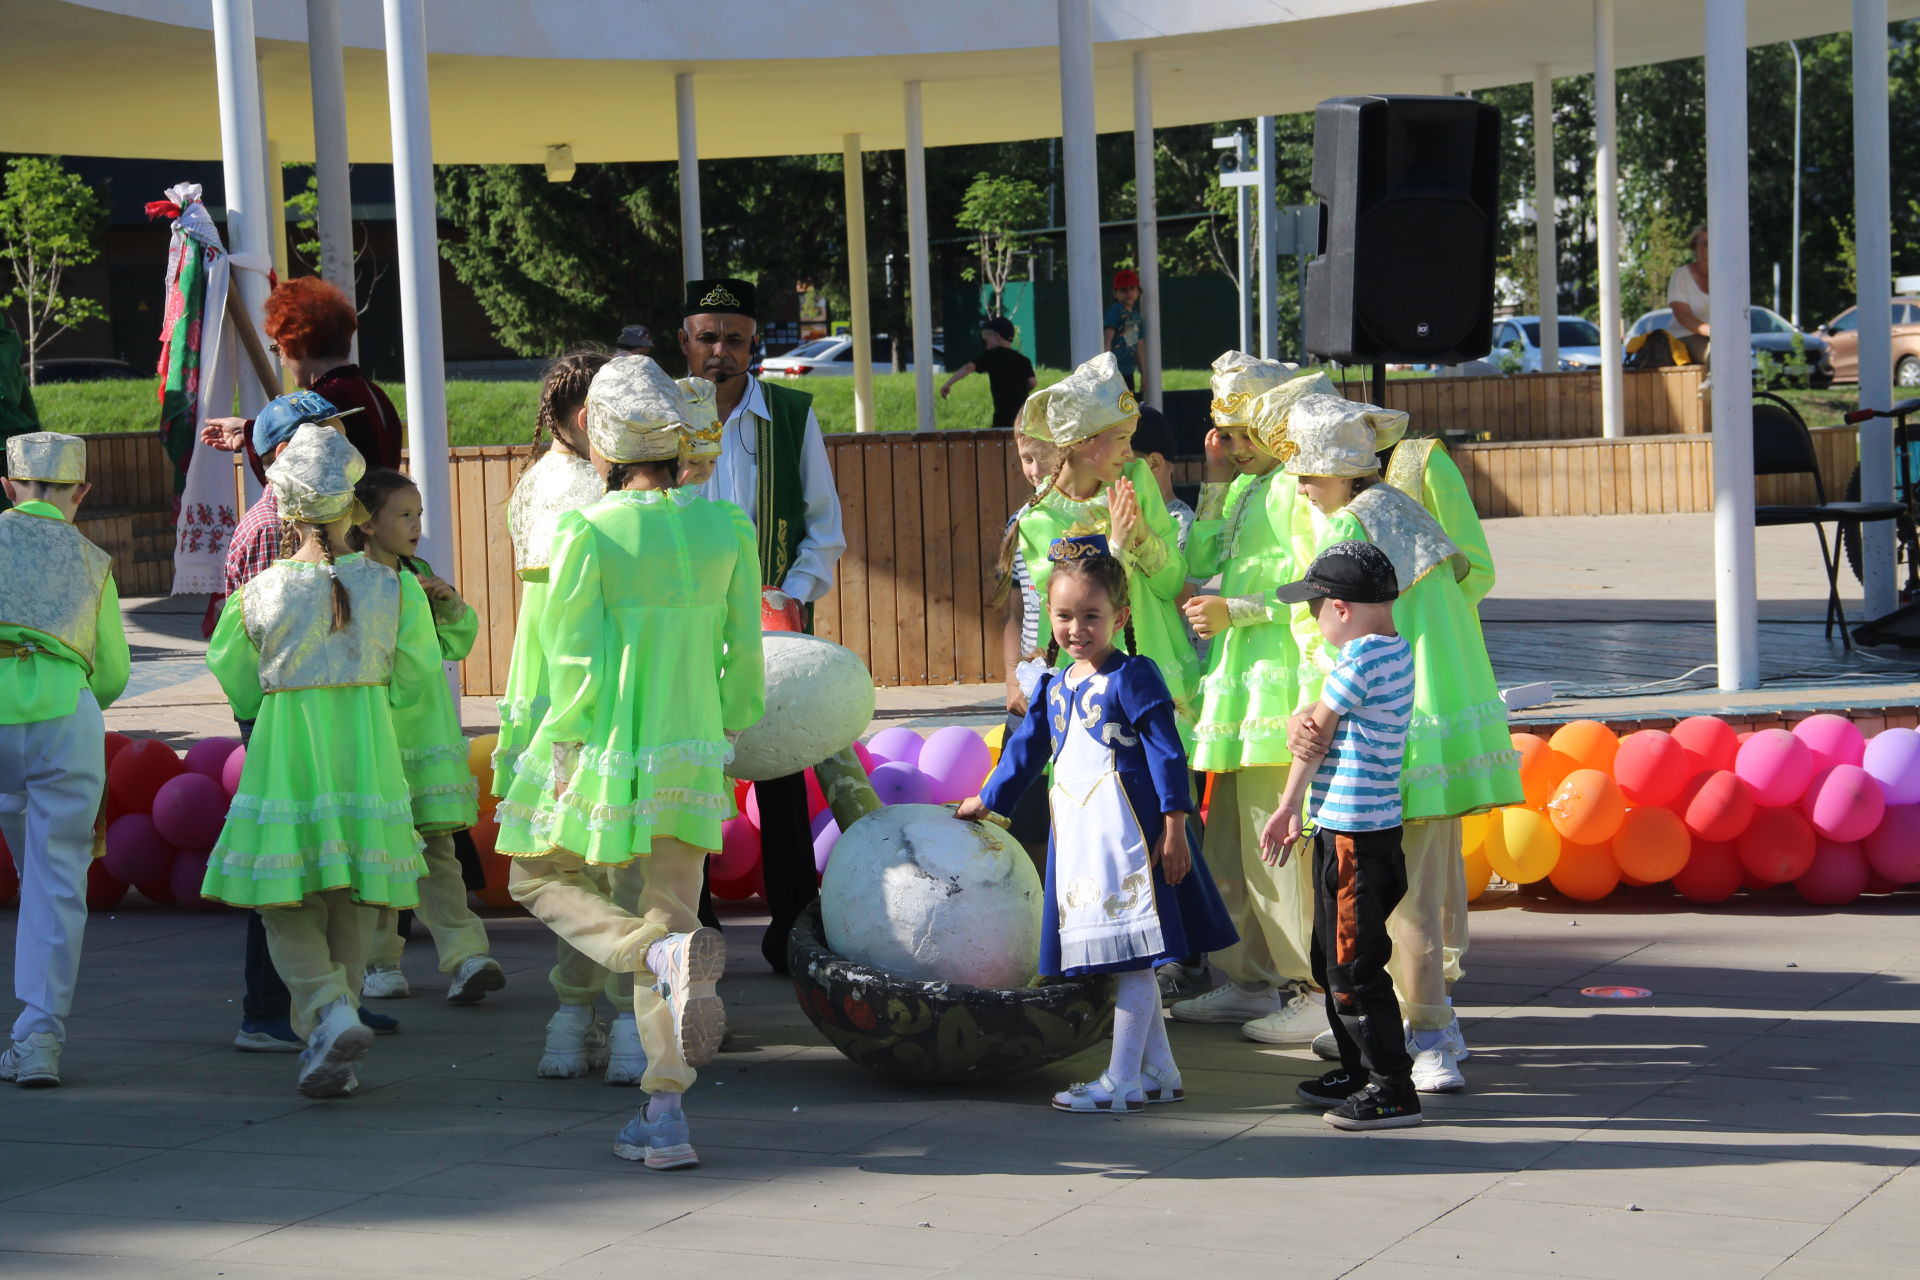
(1126, 887)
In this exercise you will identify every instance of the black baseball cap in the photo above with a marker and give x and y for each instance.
(635, 337)
(998, 324)
(1355, 571)
(1154, 434)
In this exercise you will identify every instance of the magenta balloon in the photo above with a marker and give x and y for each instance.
(1893, 848)
(739, 850)
(897, 783)
(209, 756)
(230, 770)
(188, 811)
(1835, 739)
(1844, 803)
(189, 873)
(751, 807)
(896, 745)
(866, 757)
(956, 760)
(1893, 757)
(823, 842)
(136, 851)
(1839, 875)
(1777, 765)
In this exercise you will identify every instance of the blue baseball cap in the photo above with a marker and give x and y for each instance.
(286, 414)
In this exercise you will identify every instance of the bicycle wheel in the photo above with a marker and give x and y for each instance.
(1904, 533)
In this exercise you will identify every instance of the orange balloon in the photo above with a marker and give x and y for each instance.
(493, 865)
(1587, 807)
(1522, 845)
(1585, 872)
(480, 763)
(1473, 834)
(1652, 845)
(1479, 874)
(1588, 743)
(1541, 767)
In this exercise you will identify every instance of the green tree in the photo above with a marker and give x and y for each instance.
(999, 208)
(304, 205)
(50, 220)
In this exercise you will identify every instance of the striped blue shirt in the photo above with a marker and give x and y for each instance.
(1371, 689)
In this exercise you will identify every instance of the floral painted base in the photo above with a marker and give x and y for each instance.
(941, 1032)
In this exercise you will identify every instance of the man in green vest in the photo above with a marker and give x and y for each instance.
(773, 465)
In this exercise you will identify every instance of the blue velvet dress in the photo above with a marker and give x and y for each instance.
(1118, 767)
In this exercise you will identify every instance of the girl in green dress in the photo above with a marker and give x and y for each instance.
(318, 649)
(434, 753)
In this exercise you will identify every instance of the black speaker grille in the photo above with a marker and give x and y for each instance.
(1423, 290)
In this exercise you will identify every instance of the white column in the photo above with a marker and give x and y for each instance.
(1243, 248)
(243, 146)
(1543, 227)
(1873, 264)
(692, 244)
(858, 319)
(326, 71)
(1607, 206)
(1146, 220)
(414, 213)
(919, 288)
(1082, 180)
(1269, 311)
(1736, 605)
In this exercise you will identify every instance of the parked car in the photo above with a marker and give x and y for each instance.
(833, 357)
(1843, 336)
(1579, 342)
(1811, 366)
(84, 369)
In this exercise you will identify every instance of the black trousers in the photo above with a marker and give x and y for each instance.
(1358, 879)
(267, 998)
(786, 859)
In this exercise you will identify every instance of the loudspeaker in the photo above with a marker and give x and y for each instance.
(1408, 189)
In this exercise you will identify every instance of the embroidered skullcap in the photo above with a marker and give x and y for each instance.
(1266, 417)
(1238, 379)
(635, 412)
(1334, 436)
(703, 418)
(1091, 399)
(718, 296)
(48, 457)
(1081, 546)
(313, 479)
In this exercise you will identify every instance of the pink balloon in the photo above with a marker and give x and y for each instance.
(739, 850)
(1777, 765)
(1839, 875)
(230, 769)
(209, 756)
(189, 872)
(1893, 848)
(1844, 803)
(188, 811)
(899, 745)
(751, 808)
(956, 759)
(1835, 739)
(1893, 757)
(136, 851)
(897, 783)
(1877, 883)
(816, 798)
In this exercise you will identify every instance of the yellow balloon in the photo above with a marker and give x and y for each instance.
(996, 739)
(480, 761)
(1479, 872)
(1522, 845)
(1473, 833)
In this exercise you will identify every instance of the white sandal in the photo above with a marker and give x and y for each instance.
(1086, 1098)
(1159, 1086)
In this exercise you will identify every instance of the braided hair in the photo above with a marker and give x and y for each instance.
(1003, 561)
(562, 393)
(291, 536)
(1109, 574)
(373, 492)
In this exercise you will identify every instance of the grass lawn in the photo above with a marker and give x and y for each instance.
(503, 412)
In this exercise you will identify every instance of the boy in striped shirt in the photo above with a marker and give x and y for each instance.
(1359, 873)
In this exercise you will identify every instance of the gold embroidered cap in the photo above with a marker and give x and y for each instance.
(635, 412)
(1238, 379)
(703, 418)
(313, 478)
(1266, 416)
(1334, 436)
(1091, 399)
(48, 457)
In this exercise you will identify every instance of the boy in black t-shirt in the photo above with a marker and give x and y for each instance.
(1009, 374)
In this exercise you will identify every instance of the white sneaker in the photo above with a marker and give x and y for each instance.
(33, 1063)
(1230, 1004)
(626, 1057)
(1325, 1046)
(576, 1043)
(1437, 1070)
(1457, 1040)
(686, 969)
(476, 976)
(341, 1039)
(384, 982)
(1296, 1022)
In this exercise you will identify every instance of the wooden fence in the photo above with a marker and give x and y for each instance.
(1545, 406)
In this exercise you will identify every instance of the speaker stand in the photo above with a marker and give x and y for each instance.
(1377, 386)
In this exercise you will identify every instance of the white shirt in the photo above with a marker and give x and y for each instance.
(736, 480)
(1683, 289)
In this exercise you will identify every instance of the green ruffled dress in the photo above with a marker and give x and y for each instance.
(1155, 575)
(323, 801)
(433, 750)
(1252, 682)
(651, 631)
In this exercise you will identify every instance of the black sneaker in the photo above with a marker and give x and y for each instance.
(1374, 1107)
(1330, 1090)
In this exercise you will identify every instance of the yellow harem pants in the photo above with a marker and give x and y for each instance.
(578, 978)
(1429, 926)
(319, 949)
(1271, 908)
(458, 935)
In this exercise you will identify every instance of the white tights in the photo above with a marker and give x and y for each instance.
(1139, 1032)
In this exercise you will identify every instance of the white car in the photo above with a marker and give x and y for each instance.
(833, 357)
(1579, 342)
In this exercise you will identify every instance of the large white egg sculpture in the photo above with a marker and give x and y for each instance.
(914, 890)
(819, 699)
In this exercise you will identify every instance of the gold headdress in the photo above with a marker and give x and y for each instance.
(635, 412)
(1334, 436)
(1238, 380)
(1091, 399)
(47, 457)
(703, 419)
(314, 476)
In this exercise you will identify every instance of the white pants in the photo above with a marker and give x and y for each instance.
(52, 773)
(1429, 927)
(1271, 907)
